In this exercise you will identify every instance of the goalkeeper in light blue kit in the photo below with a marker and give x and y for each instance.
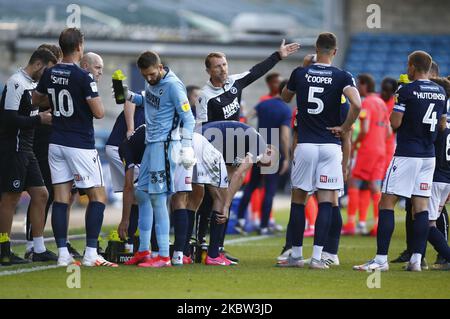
(167, 145)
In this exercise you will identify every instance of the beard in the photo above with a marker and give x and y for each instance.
(155, 81)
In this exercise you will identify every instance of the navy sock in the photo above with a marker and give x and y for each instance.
(334, 235)
(94, 221)
(288, 244)
(215, 236)
(224, 233)
(297, 221)
(190, 230)
(420, 232)
(323, 223)
(60, 224)
(442, 223)
(153, 240)
(133, 223)
(409, 226)
(437, 239)
(180, 225)
(386, 224)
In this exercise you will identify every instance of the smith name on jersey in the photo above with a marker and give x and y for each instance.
(68, 88)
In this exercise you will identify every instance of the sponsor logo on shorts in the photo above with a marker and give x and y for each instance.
(188, 180)
(327, 179)
(79, 178)
(424, 186)
(16, 183)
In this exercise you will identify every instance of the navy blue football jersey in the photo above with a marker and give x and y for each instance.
(319, 88)
(422, 103)
(68, 88)
(119, 131)
(442, 146)
(132, 150)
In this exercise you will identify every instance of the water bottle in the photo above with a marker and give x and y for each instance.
(119, 88)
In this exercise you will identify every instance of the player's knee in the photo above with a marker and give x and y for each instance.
(97, 194)
(141, 196)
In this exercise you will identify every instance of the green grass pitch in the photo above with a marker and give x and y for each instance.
(254, 277)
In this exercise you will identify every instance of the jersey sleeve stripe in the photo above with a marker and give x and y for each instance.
(399, 108)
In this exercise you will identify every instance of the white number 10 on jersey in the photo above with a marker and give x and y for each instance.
(58, 103)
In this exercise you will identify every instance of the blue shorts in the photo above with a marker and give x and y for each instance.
(156, 173)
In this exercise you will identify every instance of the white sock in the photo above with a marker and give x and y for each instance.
(381, 259)
(63, 251)
(362, 224)
(297, 251)
(29, 245)
(241, 222)
(177, 254)
(331, 255)
(39, 246)
(317, 252)
(91, 252)
(415, 258)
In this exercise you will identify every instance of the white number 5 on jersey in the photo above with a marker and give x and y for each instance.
(312, 99)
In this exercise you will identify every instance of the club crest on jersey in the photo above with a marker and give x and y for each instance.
(16, 183)
(16, 86)
(161, 91)
(233, 90)
(424, 186)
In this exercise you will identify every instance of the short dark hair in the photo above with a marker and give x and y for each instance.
(70, 39)
(434, 68)
(148, 59)
(326, 42)
(393, 82)
(367, 80)
(282, 85)
(191, 88)
(213, 55)
(272, 76)
(53, 48)
(421, 60)
(43, 55)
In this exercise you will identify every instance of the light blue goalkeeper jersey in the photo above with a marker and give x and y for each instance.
(166, 105)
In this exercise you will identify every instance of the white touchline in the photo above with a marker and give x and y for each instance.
(246, 239)
(25, 270)
(41, 268)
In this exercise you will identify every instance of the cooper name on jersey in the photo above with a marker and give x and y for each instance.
(319, 76)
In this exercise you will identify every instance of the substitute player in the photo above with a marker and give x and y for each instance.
(419, 113)
(19, 168)
(318, 156)
(73, 96)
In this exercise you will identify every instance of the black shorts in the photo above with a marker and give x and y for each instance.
(19, 170)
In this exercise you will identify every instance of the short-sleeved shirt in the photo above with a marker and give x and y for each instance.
(442, 146)
(373, 110)
(119, 131)
(16, 96)
(272, 114)
(132, 150)
(319, 88)
(422, 103)
(68, 88)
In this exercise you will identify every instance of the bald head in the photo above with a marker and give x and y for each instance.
(92, 63)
